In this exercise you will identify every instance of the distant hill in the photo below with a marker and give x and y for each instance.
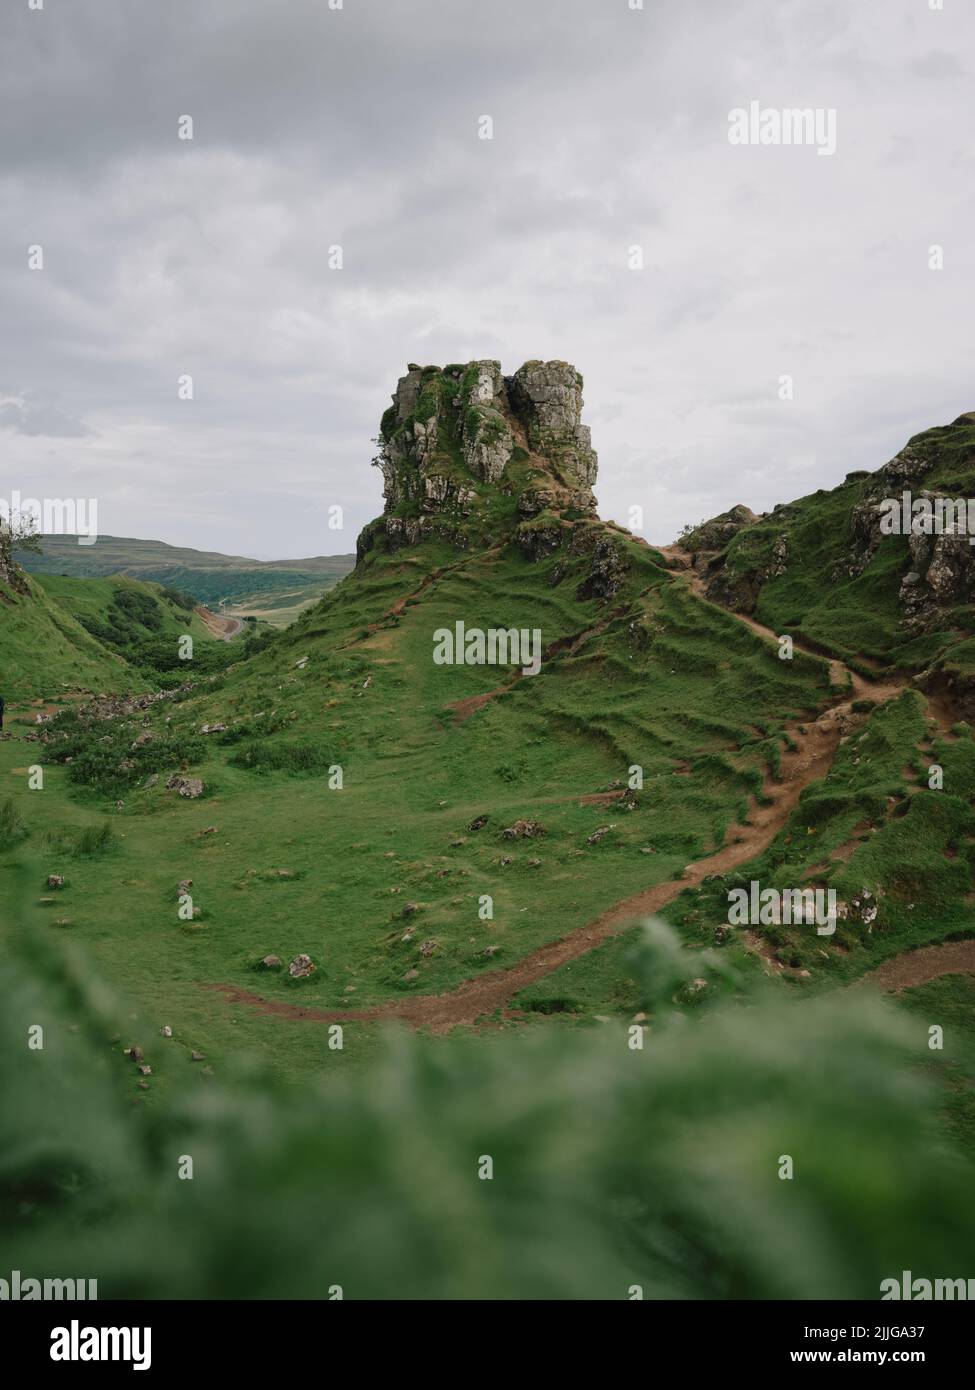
(275, 589)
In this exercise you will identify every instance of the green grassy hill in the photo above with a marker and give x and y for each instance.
(46, 652)
(820, 567)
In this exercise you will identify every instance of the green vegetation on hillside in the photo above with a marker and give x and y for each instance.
(45, 651)
(859, 616)
(142, 622)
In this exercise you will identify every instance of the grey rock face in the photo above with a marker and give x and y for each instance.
(942, 573)
(451, 435)
(547, 398)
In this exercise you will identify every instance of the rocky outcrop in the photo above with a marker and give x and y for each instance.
(942, 573)
(715, 534)
(458, 437)
(547, 398)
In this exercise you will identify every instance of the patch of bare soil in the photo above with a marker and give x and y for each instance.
(217, 626)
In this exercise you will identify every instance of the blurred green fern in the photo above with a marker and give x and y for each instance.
(613, 1165)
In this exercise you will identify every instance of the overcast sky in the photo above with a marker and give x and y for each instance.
(359, 127)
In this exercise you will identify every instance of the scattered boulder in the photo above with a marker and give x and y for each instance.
(190, 787)
(523, 829)
(427, 948)
(478, 823)
(165, 1031)
(301, 966)
(55, 880)
(599, 834)
(271, 963)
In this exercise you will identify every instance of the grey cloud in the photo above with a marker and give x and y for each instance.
(316, 127)
(28, 414)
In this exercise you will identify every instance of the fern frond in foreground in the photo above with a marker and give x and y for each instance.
(613, 1165)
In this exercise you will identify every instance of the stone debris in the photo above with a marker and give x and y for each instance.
(599, 834)
(190, 787)
(523, 829)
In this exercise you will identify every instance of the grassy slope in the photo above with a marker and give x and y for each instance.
(45, 652)
(861, 616)
(92, 598)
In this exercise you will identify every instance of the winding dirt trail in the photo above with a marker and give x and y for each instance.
(917, 967)
(815, 744)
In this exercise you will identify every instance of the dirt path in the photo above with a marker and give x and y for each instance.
(815, 744)
(918, 967)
